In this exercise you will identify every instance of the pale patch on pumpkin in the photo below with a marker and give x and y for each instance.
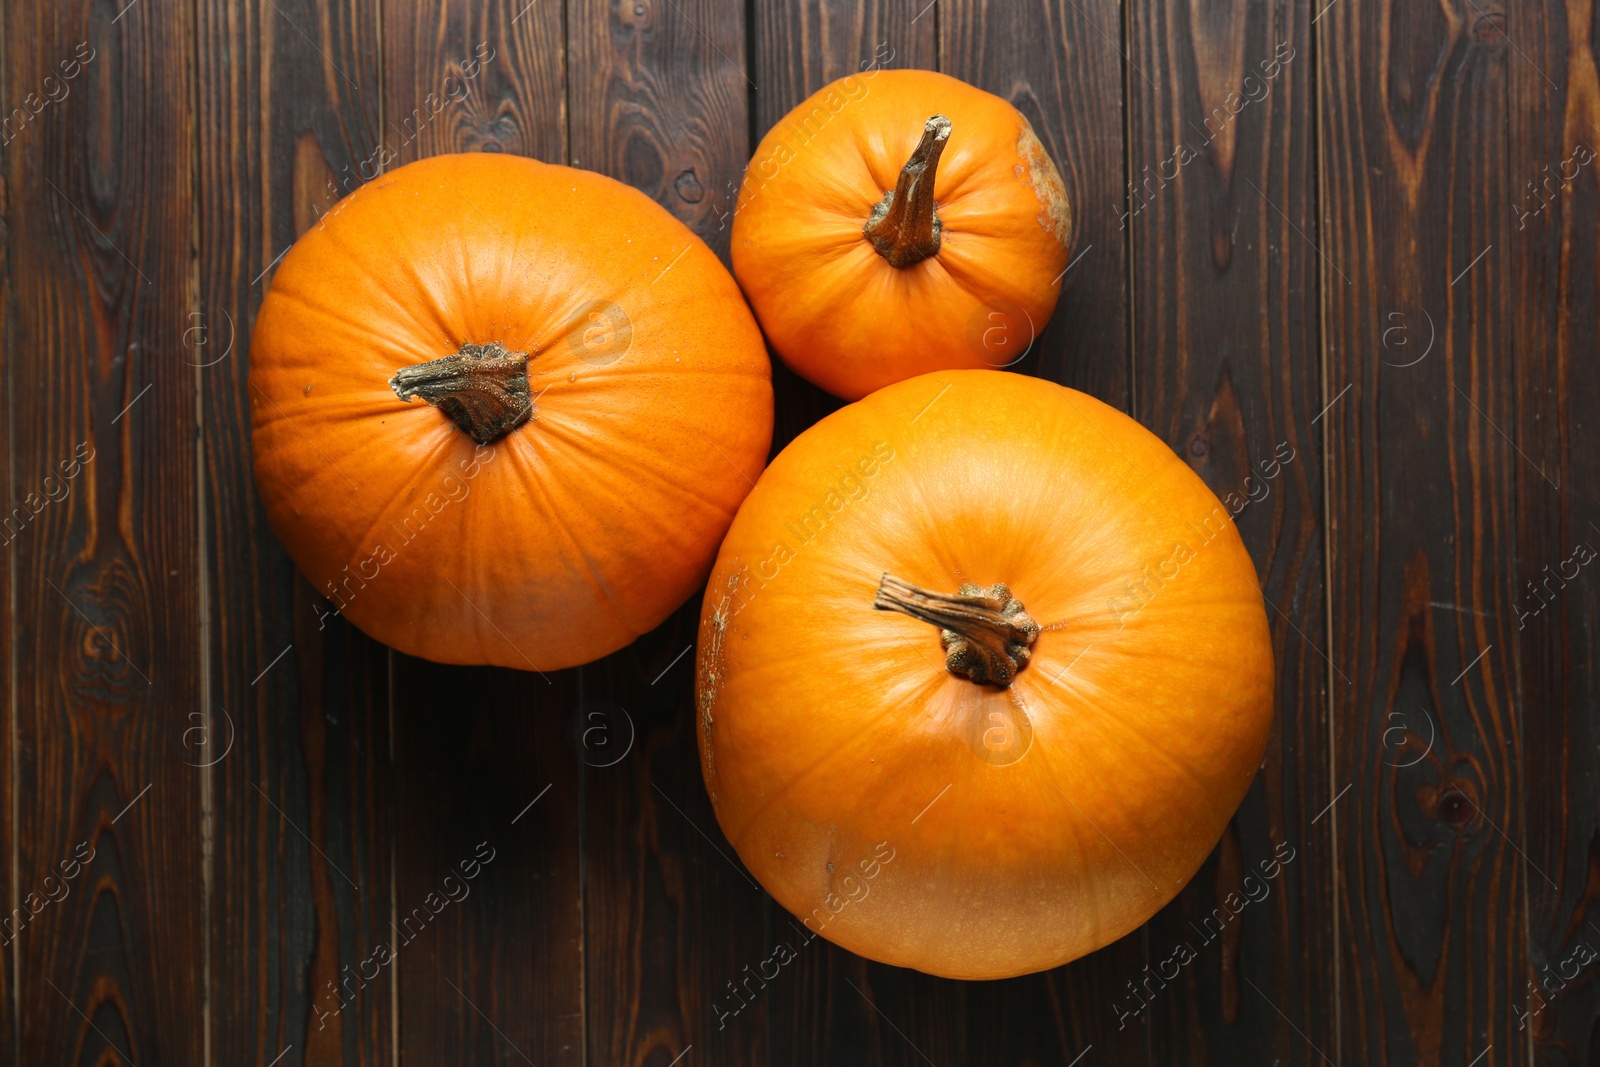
(711, 675)
(713, 668)
(1056, 213)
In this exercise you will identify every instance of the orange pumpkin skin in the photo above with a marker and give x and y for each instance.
(832, 306)
(970, 831)
(568, 536)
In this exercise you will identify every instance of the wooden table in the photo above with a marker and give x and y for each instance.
(1379, 253)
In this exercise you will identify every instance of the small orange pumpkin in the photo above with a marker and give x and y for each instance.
(1045, 726)
(900, 222)
(504, 411)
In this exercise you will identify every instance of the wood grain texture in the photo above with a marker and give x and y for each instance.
(106, 662)
(490, 965)
(472, 77)
(1554, 257)
(1222, 212)
(1422, 490)
(823, 1007)
(14, 903)
(489, 922)
(797, 48)
(674, 924)
(1061, 65)
(1385, 262)
(292, 739)
(658, 92)
(658, 97)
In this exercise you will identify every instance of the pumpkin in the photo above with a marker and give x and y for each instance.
(503, 411)
(983, 674)
(900, 222)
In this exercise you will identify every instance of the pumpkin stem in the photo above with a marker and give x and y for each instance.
(904, 226)
(483, 388)
(986, 634)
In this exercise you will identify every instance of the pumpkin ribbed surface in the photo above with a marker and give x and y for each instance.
(564, 535)
(853, 311)
(1029, 823)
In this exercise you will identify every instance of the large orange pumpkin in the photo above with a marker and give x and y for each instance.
(504, 411)
(900, 222)
(983, 674)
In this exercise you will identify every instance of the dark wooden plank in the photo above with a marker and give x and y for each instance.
(1060, 63)
(108, 602)
(1422, 481)
(1225, 350)
(821, 1008)
(465, 77)
(324, 846)
(1554, 257)
(487, 893)
(293, 737)
(496, 975)
(672, 919)
(799, 48)
(658, 97)
(14, 905)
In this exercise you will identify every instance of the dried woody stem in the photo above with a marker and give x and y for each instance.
(904, 226)
(483, 388)
(986, 633)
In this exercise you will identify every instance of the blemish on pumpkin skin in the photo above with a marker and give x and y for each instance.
(706, 693)
(1056, 212)
(711, 674)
